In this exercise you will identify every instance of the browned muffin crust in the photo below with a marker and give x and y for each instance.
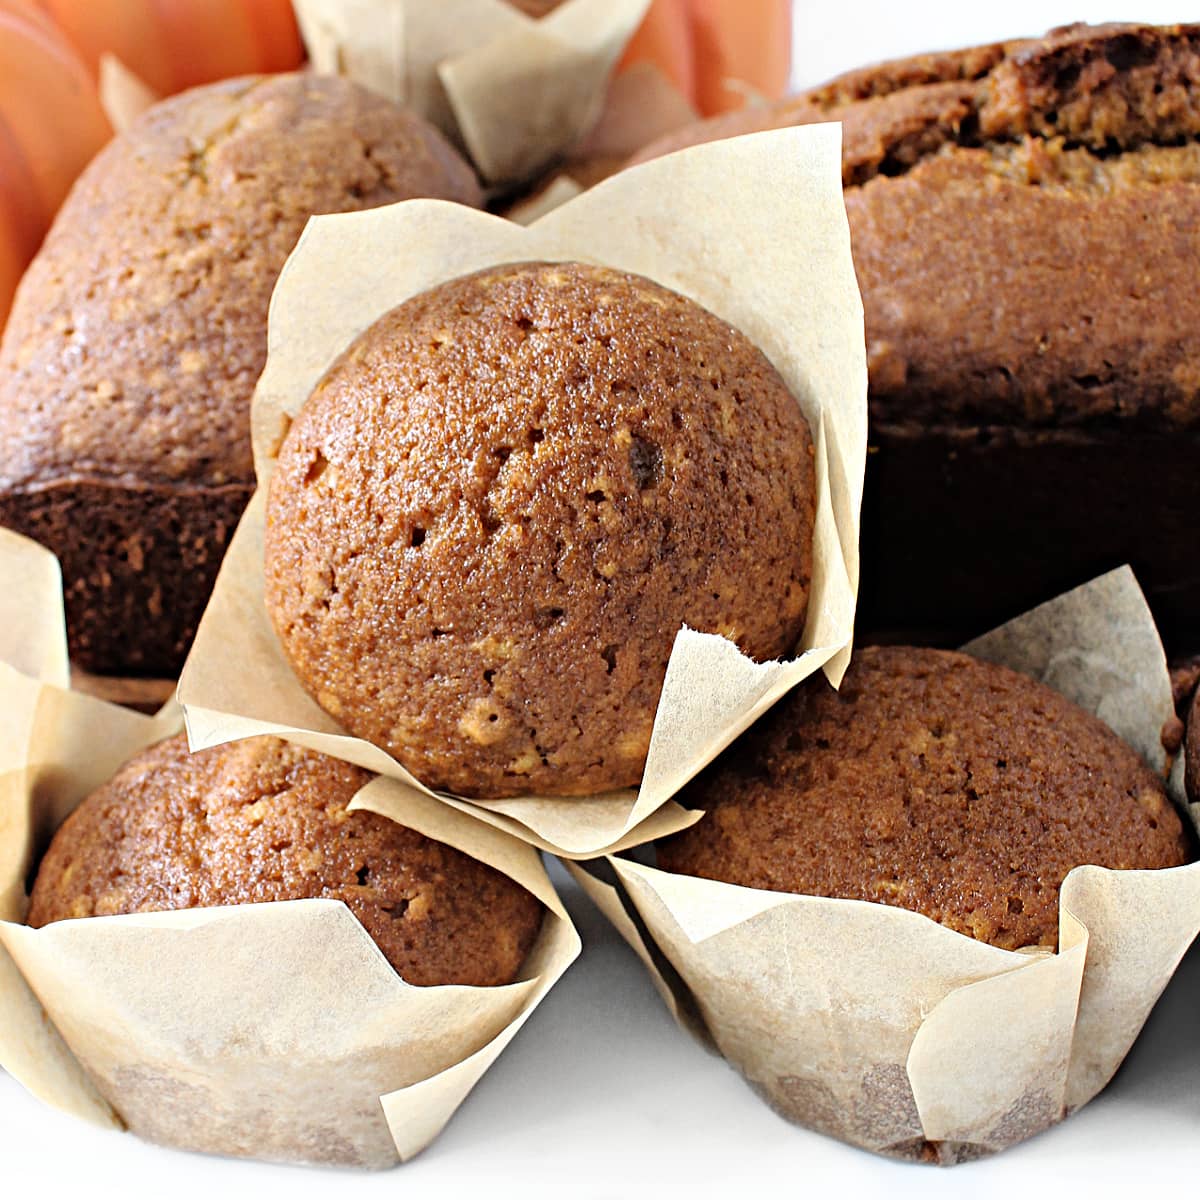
(139, 332)
(496, 511)
(931, 781)
(262, 820)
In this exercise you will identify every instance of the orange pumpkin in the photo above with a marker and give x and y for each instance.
(51, 124)
(177, 44)
(700, 45)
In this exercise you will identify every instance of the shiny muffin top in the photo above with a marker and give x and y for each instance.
(931, 781)
(262, 820)
(494, 514)
(140, 329)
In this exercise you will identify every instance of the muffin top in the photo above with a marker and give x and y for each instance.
(496, 511)
(262, 820)
(931, 781)
(140, 330)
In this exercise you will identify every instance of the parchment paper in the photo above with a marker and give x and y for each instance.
(123, 95)
(641, 106)
(883, 1028)
(752, 228)
(514, 92)
(273, 1030)
(554, 193)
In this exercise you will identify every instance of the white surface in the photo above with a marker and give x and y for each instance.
(831, 38)
(601, 1095)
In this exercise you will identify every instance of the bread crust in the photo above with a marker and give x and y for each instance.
(1025, 221)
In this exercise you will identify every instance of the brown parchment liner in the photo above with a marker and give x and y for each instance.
(276, 1031)
(877, 1025)
(752, 228)
(513, 91)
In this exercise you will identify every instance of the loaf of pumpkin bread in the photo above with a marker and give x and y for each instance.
(138, 334)
(1025, 220)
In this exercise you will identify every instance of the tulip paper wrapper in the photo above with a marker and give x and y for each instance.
(642, 105)
(755, 230)
(275, 1031)
(123, 96)
(514, 91)
(883, 1028)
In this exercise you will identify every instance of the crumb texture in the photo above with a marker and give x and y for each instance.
(497, 510)
(931, 781)
(138, 333)
(262, 820)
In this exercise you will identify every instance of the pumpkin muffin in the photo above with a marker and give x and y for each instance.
(262, 820)
(931, 781)
(499, 507)
(140, 330)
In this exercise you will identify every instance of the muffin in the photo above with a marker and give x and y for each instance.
(138, 334)
(931, 781)
(498, 508)
(262, 820)
(1025, 220)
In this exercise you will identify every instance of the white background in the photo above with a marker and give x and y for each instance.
(601, 1095)
(834, 35)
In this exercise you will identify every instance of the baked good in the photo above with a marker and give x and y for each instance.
(495, 512)
(262, 820)
(535, 8)
(1025, 221)
(1185, 676)
(932, 781)
(1191, 744)
(138, 334)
